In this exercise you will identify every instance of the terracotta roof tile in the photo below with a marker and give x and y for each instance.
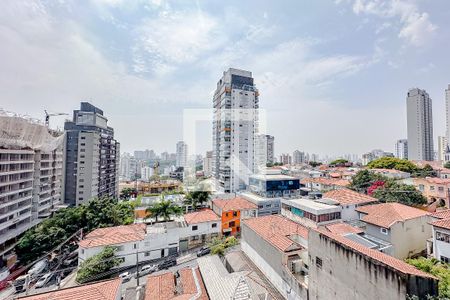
(444, 223)
(105, 290)
(236, 203)
(383, 258)
(276, 230)
(343, 229)
(346, 196)
(114, 235)
(205, 215)
(386, 214)
(160, 287)
(442, 214)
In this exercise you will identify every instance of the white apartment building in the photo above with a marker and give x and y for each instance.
(442, 147)
(235, 103)
(30, 177)
(182, 154)
(146, 173)
(285, 159)
(401, 149)
(420, 125)
(298, 157)
(208, 163)
(264, 151)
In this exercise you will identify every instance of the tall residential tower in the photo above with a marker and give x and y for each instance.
(420, 125)
(91, 158)
(401, 149)
(235, 125)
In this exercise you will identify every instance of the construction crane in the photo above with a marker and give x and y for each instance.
(48, 115)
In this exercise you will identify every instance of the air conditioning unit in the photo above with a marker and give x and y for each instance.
(296, 266)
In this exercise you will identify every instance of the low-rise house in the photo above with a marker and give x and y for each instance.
(189, 285)
(405, 227)
(392, 173)
(105, 290)
(278, 247)
(324, 184)
(439, 245)
(434, 189)
(342, 269)
(232, 211)
(310, 213)
(349, 200)
(203, 225)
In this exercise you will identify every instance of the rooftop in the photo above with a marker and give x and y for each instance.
(279, 231)
(346, 196)
(444, 223)
(442, 214)
(105, 290)
(165, 286)
(236, 203)
(114, 235)
(343, 229)
(205, 215)
(327, 181)
(273, 177)
(387, 214)
(312, 206)
(378, 256)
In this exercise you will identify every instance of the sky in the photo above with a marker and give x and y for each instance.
(332, 74)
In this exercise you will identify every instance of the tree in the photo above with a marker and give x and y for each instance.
(393, 163)
(339, 162)
(196, 198)
(364, 179)
(126, 193)
(51, 232)
(95, 266)
(447, 165)
(436, 268)
(392, 191)
(314, 164)
(164, 209)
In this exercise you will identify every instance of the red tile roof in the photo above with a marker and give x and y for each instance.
(346, 196)
(343, 229)
(444, 223)
(114, 235)
(387, 214)
(434, 180)
(442, 214)
(276, 230)
(162, 287)
(380, 257)
(105, 290)
(236, 203)
(205, 215)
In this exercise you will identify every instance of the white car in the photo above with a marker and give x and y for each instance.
(147, 269)
(43, 280)
(125, 276)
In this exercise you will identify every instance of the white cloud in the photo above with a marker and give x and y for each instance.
(416, 27)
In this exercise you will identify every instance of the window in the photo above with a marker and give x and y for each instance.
(195, 227)
(383, 230)
(147, 254)
(443, 237)
(214, 225)
(445, 259)
(235, 213)
(319, 262)
(82, 251)
(232, 224)
(195, 237)
(134, 246)
(119, 248)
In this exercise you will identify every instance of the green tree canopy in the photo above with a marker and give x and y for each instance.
(95, 266)
(447, 165)
(393, 163)
(196, 198)
(314, 164)
(436, 268)
(339, 161)
(51, 232)
(165, 209)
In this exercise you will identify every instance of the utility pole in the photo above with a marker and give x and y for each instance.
(137, 268)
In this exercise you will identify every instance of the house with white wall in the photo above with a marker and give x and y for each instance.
(349, 200)
(202, 226)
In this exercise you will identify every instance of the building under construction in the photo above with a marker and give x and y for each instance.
(31, 158)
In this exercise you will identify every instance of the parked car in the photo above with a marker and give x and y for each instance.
(167, 264)
(21, 282)
(147, 269)
(203, 251)
(126, 276)
(43, 280)
(38, 268)
(71, 262)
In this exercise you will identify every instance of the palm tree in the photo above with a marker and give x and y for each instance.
(163, 208)
(196, 199)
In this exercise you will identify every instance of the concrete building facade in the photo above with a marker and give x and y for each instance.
(91, 157)
(401, 149)
(420, 125)
(182, 154)
(264, 151)
(235, 123)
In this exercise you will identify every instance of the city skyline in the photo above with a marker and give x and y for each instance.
(329, 80)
